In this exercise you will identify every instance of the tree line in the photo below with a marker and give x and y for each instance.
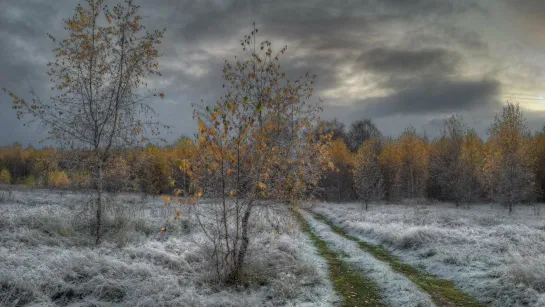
(458, 166)
(147, 169)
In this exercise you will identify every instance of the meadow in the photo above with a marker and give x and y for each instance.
(495, 257)
(48, 256)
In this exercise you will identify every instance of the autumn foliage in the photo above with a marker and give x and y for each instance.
(255, 148)
(58, 179)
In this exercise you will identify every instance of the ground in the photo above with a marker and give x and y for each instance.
(410, 254)
(48, 258)
(495, 257)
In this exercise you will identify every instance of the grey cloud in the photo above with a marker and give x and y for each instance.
(326, 36)
(527, 6)
(399, 61)
(431, 6)
(433, 98)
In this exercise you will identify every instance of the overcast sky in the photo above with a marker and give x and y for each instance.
(398, 62)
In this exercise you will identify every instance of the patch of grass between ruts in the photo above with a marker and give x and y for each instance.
(356, 289)
(442, 292)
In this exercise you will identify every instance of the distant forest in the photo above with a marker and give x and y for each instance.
(458, 166)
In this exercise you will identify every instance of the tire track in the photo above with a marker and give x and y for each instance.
(442, 292)
(396, 289)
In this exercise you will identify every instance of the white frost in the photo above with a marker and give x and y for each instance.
(496, 257)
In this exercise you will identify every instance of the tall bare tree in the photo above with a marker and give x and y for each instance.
(447, 169)
(361, 131)
(368, 180)
(97, 74)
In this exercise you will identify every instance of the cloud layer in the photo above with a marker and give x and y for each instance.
(418, 60)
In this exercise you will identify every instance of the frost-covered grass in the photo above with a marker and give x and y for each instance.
(47, 257)
(395, 289)
(496, 257)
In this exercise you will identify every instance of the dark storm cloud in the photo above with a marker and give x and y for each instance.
(395, 61)
(436, 97)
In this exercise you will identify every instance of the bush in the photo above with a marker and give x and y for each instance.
(30, 181)
(5, 176)
(58, 179)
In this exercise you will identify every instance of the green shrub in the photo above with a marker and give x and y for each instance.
(5, 176)
(30, 181)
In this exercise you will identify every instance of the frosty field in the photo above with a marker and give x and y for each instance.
(47, 257)
(497, 258)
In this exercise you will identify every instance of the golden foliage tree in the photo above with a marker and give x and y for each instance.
(414, 155)
(338, 179)
(390, 160)
(508, 164)
(255, 148)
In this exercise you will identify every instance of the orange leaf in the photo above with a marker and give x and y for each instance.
(202, 127)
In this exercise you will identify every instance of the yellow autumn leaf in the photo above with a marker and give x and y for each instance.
(202, 127)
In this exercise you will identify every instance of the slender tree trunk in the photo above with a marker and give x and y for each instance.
(99, 190)
(243, 246)
(339, 186)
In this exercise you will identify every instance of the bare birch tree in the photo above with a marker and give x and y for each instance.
(97, 74)
(368, 180)
(447, 168)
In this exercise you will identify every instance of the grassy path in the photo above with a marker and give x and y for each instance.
(442, 292)
(356, 290)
